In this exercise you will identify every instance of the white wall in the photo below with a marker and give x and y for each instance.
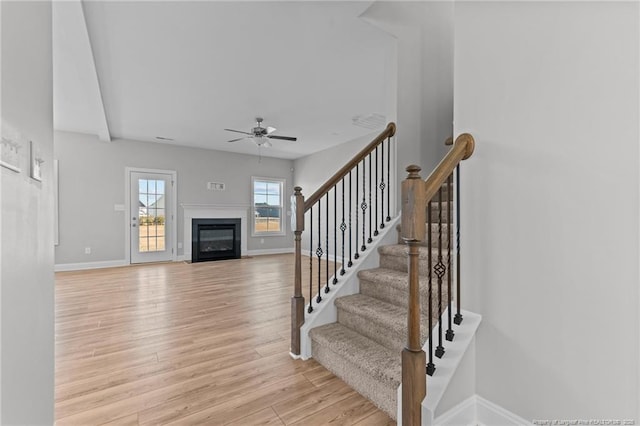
(424, 37)
(27, 284)
(550, 203)
(314, 170)
(92, 177)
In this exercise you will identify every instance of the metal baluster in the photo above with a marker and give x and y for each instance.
(431, 368)
(458, 318)
(326, 289)
(343, 228)
(450, 333)
(369, 240)
(382, 185)
(319, 251)
(350, 264)
(363, 205)
(440, 270)
(335, 234)
(310, 309)
(375, 233)
(356, 255)
(389, 178)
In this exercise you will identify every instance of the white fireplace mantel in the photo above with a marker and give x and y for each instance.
(214, 211)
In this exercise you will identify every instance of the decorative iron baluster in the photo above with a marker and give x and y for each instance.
(363, 205)
(375, 233)
(389, 178)
(335, 233)
(431, 368)
(356, 255)
(458, 318)
(350, 264)
(326, 289)
(343, 228)
(369, 240)
(440, 269)
(450, 333)
(319, 251)
(310, 309)
(382, 186)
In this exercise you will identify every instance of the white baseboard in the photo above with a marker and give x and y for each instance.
(477, 411)
(259, 252)
(465, 413)
(64, 267)
(89, 265)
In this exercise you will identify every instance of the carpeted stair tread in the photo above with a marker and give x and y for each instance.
(396, 279)
(395, 257)
(371, 369)
(392, 286)
(402, 250)
(383, 322)
(378, 361)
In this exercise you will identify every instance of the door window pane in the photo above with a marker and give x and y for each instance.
(151, 215)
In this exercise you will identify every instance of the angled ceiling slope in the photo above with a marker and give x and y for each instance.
(78, 105)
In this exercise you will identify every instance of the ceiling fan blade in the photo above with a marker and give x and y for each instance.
(284, 138)
(238, 131)
(267, 144)
(270, 130)
(236, 140)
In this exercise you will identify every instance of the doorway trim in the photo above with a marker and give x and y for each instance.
(127, 210)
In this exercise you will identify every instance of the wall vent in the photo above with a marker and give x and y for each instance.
(215, 186)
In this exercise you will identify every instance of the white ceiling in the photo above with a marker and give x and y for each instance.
(187, 70)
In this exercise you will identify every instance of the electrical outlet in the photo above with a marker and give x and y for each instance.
(261, 240)
(179, 245)
(87, 250)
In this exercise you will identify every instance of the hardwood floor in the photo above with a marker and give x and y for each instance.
(177, 343)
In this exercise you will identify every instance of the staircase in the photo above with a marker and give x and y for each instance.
(369, 322)
(364, 346)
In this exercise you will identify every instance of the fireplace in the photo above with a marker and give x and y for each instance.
(215, 239)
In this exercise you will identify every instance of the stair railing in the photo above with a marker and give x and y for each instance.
(418, 197)
(363, 184)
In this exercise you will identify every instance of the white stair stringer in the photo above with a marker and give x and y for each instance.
(326, 311)
(445, 366)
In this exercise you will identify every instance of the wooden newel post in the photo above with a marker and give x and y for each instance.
(414, 217)
(297, 301)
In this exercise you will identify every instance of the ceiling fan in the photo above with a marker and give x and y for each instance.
(261, 135)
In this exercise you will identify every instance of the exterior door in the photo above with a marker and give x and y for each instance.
(151, 220)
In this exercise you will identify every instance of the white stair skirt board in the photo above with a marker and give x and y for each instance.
(478, 411)
(445, 366)
(326, 312)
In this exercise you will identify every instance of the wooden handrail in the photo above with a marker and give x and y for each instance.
(416, 194)
(462, 149)
(389, 131)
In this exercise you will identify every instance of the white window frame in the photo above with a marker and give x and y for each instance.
(282, 183)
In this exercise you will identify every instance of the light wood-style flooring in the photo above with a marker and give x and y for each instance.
(178, 343)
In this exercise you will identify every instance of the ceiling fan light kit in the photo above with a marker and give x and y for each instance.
(261, 135)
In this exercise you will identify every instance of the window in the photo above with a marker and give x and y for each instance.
(267, 206)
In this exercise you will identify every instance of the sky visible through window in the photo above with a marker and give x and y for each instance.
(266, 193)
(267, 203)
(150, 191)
